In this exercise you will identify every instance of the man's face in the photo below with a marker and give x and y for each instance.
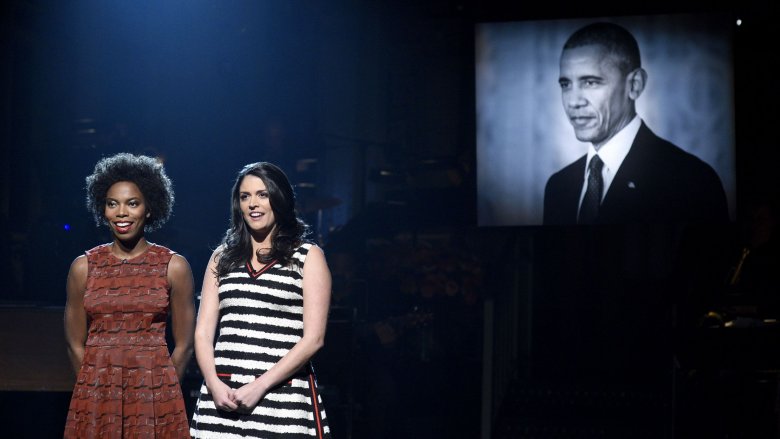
(595, 94)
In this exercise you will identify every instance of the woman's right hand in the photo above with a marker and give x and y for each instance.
(75, 314)
(206, 327)
(222, 395)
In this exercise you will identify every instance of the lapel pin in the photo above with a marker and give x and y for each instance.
(631, 185)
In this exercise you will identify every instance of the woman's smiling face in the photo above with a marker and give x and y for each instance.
(125, 210)
(255, 203)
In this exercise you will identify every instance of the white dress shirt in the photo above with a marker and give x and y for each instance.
(612, 154)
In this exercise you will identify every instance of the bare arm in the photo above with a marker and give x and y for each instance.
(316, 302)
(75, 315)
(208, 317)
(182, 312)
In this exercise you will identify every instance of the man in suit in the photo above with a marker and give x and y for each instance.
(629, 174)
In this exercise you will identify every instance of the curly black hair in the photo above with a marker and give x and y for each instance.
(147, 173)
(290, 231)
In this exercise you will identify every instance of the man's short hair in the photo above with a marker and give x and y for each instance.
(617, 40)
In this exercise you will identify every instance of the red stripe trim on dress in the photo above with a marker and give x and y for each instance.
(256, 274)
(230, 376)
(317, 415)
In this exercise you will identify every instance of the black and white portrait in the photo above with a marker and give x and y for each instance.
(551, 95)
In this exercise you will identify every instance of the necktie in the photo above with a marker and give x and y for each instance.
(590, 204)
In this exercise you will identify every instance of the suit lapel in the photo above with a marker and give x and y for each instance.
(625, 187)
(573, 189)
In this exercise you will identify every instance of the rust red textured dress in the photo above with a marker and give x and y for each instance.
(127, 386)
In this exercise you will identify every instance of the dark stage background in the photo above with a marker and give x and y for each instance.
(439, 328)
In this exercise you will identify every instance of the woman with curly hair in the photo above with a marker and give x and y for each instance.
(119, 297)
(267, 291)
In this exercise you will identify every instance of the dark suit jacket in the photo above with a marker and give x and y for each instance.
(656, 183)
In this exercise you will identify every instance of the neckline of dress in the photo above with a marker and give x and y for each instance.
(126, 260)
(256, 273)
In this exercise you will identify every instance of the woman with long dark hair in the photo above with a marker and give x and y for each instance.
(266, 291)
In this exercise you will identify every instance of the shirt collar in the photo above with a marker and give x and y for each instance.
(615, 150)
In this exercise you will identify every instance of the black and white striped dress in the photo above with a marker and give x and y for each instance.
(261, 319)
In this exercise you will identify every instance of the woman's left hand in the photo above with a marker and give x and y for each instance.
(248, 396)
